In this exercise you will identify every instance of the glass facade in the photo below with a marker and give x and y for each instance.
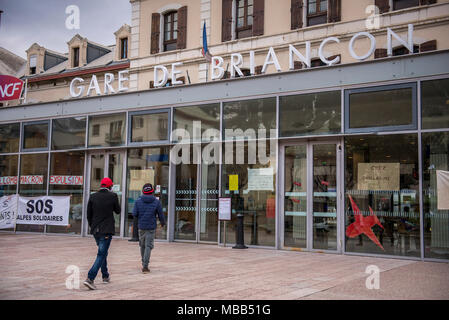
(435, 154)
(382, 195)
(148, 165)
(381, 107)
(107, 130)
(69, 133)
(320, 114)
(35, 135)
(67, 179)
(435, 104)
(147, 127)
(379, 170)
(33, 182)
(9, 138)
(207, 126)
(251, 185)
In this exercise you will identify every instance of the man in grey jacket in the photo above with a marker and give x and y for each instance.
(145, 210)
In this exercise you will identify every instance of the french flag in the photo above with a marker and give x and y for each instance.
(205, 50)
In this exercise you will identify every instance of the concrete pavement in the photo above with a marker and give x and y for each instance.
(34, 267)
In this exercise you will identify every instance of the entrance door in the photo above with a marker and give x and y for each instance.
(310, 204)
(196, 199)
(108, 164)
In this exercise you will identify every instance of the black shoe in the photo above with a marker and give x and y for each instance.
(133, 240)
(145, 270)
(106, 280)
(90, 284)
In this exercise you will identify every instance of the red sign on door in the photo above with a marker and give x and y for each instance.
(10, 88)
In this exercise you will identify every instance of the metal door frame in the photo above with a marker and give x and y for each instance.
(195, 146)
(106, 154)
(339, 176)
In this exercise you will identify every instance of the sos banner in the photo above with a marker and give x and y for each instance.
(8, 209)
(10, 88)
(52, 211)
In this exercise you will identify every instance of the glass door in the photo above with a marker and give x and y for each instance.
(196, 198)
(108, 164)
(310, 203)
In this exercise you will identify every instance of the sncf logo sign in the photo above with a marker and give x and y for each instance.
(10, 88)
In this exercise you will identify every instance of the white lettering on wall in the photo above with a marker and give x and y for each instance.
(217, 65)
(371, 50)
(77, 88)
(408, 44)
(80, 88)
(271, 59)
(321, 54)
(307, 60)
(236, 63)
(121, 79)
(94, 85)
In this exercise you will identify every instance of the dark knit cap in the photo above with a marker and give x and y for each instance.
(147, 188)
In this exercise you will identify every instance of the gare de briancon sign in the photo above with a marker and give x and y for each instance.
(161, 73)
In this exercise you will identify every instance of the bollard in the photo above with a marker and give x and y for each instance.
(135, 237)
(240, 243)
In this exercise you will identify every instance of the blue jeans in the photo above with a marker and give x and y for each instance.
(146, 242)
(103, 243)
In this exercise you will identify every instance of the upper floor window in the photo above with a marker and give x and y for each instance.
(402, 4)
(170, 30)
(244, 18)
(316, 12)
(33, 62)
(124, 48)
(387, 5)
(76, 57)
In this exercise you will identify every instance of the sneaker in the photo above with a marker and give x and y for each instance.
(106, 280)
(90, 284)
(145, 270)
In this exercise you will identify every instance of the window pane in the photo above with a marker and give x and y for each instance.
(207, 117)
(435, 152)
(8, 175)
(240, 22)
(295, 198)
(312, 6)
(435, 104)
(249, 116)
(149, 127)
(314, 113)
(35, 136)
(9, 137)
(33, 182)
(402, 4)
(251, 186)
(241, 12)
(381, 108)
(111, 130)
(67, 179)
(382, 179)
(68, 133)
(323, 5)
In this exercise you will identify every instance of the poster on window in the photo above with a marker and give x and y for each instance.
(378, 176)
(139, 178)
(443, 189)
(8, 209)
(260, 179)
(46, 210)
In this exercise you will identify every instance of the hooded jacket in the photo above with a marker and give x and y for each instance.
(145, 210)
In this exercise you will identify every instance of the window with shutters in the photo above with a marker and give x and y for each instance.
(170, 30)
(316, 12)
(387, 5)
(244, 27)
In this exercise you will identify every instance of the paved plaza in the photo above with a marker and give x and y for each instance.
(34, 267)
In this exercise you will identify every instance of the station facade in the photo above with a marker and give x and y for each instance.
(308, 126)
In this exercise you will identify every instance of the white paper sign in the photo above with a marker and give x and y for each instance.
(224, 208)
(443, 189)
(8, 209)
(378, 176)
(260, 179)
(52, 211)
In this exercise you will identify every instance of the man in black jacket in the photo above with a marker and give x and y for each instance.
(101, 221)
